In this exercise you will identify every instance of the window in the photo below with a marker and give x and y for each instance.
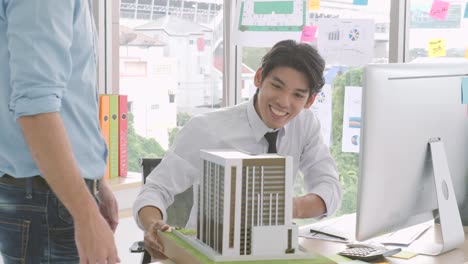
(441, 32)
(330, 103)
(134, 68)
(171, 68)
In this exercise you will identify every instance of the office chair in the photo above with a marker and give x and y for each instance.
(179, 212)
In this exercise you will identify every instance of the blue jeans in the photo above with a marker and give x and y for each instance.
(35, 228)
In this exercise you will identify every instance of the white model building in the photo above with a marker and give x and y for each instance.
(245, 207)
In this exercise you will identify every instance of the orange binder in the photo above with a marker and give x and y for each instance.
(123, 132)
(104, 122)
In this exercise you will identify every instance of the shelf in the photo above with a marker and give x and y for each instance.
(133, 180)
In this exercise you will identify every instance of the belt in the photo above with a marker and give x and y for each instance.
(38, 183)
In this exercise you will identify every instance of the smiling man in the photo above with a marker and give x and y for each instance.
(287, 83)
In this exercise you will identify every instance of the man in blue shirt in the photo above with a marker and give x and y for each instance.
(51, 150)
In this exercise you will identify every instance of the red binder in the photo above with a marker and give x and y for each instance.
(123, 135)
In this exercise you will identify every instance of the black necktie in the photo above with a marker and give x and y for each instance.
(271, 138)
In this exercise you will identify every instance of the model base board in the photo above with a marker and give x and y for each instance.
(179, 251)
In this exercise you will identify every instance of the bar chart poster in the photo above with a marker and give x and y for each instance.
(351, 119)
(262, 23)
(346, 41)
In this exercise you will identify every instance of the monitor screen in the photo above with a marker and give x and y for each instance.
(403, 106)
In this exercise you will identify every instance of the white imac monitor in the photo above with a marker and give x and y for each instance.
(413, 124)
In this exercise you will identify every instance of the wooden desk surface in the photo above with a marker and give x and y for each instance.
(456, 256)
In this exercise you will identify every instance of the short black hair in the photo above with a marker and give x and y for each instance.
(299, 56)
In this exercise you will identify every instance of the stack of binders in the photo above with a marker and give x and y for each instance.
(113, 113)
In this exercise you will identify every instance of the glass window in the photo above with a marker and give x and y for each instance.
(171, 57)
(330, 103)
(437, 31)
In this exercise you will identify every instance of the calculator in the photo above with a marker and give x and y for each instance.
(368, 253)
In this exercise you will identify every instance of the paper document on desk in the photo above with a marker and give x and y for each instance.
(307, 234)
(406, 236)
(343, 226)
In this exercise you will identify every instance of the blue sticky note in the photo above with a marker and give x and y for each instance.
(464, 87)
(359, 2)
(466, 11)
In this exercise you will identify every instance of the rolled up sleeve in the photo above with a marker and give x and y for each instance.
(39, 36)
(319, 169)
(178, 171)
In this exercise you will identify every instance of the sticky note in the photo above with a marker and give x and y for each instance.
(464, 90)
(439, 9)
(314, 5)
(436, 48)
(404, 255)
(308, 33)
(466, 54)
(359, 2)
(466, 11)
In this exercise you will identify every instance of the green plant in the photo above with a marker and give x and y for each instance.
(347, 163)
(139, 147)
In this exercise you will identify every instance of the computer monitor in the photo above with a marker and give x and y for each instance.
(404, 108)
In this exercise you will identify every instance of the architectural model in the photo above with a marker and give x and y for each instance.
(245, 207)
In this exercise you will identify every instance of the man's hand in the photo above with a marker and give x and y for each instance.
(108, 205)
(153, 243)
(308, 206)
(95, 240)
(50, 148)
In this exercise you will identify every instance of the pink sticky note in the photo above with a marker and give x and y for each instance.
(439, 9)
(308, 33)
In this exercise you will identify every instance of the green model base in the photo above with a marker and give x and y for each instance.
(317, 259)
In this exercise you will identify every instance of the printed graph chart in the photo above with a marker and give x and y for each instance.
(354, 34)
(334, 35)
(272, 15)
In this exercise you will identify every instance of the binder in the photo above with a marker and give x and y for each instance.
(114, 136)
(104, 123)
(123, 132)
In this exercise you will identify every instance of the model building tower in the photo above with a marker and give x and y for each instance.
(245, 205)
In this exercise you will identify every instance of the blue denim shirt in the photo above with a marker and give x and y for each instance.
(48, 64)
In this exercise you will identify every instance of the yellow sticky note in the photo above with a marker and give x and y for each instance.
(436, 47)
(466, 52)
(314, 5)
(404, 255)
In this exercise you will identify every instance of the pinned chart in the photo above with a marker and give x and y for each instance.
(439, 9)
(346, 41)
(262, 23)
(436, 48)
(272, 15)
(466, 11)
(351, 119)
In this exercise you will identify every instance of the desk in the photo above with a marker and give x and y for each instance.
(456, 256)
(327, 248)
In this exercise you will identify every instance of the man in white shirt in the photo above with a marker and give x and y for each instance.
(288, 81)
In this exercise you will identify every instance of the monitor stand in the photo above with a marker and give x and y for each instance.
(452, 234)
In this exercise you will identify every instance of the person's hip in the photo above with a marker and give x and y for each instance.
(37, 183)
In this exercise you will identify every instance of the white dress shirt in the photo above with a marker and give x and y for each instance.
(240, 127)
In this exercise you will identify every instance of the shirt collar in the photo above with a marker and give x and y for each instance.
(256, 123)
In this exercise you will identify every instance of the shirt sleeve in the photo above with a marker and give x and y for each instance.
(39, 37)
(319, 168)
(178, 170)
